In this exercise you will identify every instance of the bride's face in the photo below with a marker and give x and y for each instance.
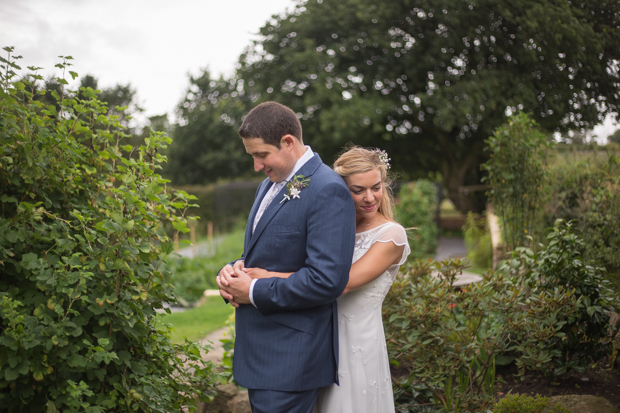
(366, 190)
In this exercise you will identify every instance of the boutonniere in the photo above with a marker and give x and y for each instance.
(294, 187)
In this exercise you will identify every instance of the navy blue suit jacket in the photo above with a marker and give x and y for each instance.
(289, 341)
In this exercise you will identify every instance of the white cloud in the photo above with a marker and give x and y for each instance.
(152, 44)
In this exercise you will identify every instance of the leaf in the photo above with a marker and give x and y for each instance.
(128, 225)
(144, 247)
(24, 368)
(30, 261)
(51, 407)
(77, 360)
(10, 374)
(6, 198)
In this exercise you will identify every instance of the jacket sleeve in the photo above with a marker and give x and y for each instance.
(329, 250)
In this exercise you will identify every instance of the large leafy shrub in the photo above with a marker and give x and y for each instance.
(587, 189)
(81, 253)
(416, 207)
(448, 340)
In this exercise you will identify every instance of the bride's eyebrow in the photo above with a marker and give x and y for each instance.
(362, 187)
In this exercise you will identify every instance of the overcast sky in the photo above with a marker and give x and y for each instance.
(151, 44)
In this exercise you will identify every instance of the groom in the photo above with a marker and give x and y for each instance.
(286, 344)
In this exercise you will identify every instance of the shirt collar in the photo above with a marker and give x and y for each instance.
(301, 162)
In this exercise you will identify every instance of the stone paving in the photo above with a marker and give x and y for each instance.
(455, 248)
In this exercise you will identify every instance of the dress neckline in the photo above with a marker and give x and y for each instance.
(372, 229)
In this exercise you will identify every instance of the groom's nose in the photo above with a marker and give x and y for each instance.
(258, 165)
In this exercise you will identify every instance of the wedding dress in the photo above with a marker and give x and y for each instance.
(364, 370)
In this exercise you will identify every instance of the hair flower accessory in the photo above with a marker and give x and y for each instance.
(295, 186)
(383, 157)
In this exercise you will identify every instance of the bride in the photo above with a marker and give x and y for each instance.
(380, 248)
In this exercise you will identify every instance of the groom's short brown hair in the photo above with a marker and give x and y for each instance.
(271, 121)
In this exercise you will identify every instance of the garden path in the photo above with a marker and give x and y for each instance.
(455, 248)
(213, 338)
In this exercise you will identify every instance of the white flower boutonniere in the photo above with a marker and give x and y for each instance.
(295, 186)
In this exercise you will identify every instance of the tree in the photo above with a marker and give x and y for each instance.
(430, 80)
(206, 146)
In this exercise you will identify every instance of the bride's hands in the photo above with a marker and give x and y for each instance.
(262, 273)
(257, 272)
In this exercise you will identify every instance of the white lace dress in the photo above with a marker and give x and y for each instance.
(364, 370)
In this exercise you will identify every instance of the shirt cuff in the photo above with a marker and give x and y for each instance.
(252, 291)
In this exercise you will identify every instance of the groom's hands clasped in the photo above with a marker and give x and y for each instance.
(234, 284)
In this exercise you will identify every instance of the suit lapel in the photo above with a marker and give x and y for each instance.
(263, 189)
(307, 170)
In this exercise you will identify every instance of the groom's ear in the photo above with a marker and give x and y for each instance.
(288, 142)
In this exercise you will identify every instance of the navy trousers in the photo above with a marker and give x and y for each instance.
(272, 401)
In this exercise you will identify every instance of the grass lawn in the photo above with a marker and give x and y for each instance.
(195, 323)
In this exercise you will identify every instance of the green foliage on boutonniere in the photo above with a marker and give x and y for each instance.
(295, 186)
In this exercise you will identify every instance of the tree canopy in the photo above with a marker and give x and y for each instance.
(430, 80)
(206, 146)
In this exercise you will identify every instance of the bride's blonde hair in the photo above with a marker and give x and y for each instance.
(357, 160)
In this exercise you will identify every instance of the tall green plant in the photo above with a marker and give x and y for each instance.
(81, 252)
(516, 174)
(417, 203)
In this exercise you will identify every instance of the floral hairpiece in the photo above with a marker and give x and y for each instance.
(383, 157)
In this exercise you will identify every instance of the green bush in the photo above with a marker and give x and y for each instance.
(81, 252)
(477, 239)
(585, 336)
(516, 403)
(416, 208)
(449, 340)
(587, 189)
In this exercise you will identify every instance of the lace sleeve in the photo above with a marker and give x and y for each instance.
(394, 233)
